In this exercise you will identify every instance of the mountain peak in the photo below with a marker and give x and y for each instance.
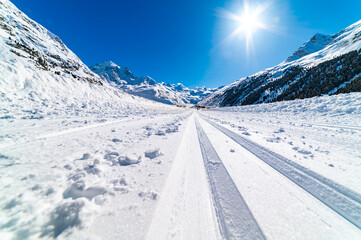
(315, 44)
(147, 87)
(107, 64)
(112, 72)
(110, 64)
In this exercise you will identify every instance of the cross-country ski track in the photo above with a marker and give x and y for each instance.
(179, 175)
(222, 186)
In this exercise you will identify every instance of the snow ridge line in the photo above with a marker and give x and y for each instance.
(340, 199)
(235, 219)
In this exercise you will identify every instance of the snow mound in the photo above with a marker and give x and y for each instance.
(345, 106)
(129, 160)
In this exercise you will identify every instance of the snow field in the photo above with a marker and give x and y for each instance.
(105, 176)
(321, 133)
(80, 181)
(282, 209)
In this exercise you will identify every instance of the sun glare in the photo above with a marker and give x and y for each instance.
(249, 21)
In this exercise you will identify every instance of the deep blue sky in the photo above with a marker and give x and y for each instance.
(180, 40)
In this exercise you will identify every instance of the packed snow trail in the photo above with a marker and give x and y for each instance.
(185, 209)
(342, 200)
(218, 189)
(188, 212)
(235, 219)
(281, 208)
(186, 186)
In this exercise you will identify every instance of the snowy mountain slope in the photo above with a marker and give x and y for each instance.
(40, 76)
(147, 87)
(315, 44)
(334, 69)
(28, 39)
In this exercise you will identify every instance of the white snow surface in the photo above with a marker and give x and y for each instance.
(89, 177)
(320, 133)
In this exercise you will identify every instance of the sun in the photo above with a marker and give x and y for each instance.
(249, 21)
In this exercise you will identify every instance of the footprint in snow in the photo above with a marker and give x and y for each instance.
(151, 154)
(85, 156)
(148, 194)
(77, 190)
(129, 160)
(121, 189)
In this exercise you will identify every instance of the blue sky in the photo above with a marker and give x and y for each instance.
(183, 41)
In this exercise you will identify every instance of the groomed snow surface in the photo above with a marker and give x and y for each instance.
(161, 172)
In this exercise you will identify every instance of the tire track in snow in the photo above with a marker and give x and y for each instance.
(342, 200)
(234, 217)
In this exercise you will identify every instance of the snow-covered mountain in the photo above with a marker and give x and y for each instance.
(40, 76)
(324, 65)
(28, 40)
(147, 87)
(315, 44)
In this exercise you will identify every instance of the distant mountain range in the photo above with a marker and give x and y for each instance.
(147, 87)
(37, 71)
(324, 65)
(37, 67)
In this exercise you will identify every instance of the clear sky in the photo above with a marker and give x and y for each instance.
(187, 40)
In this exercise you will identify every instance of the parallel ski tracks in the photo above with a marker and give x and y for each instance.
(340, 199)
(235, 220)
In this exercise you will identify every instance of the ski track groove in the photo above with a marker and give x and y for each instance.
(234, 217)
(185, 208)
(342, 200)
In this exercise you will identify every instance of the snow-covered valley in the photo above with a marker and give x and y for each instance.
(84, 156)
(102, 176)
